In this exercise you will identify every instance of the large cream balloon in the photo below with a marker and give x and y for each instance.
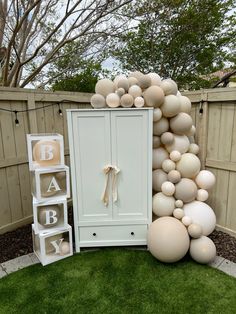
(201, 214)
(205, 179)
(154, 96)
(171, 106)
(185, 104)
(117, 79)
(158, 177)
(181, 124)
(155, 79)
(158, 156)
(167, 138)
(98, 101)
(127, 101)
(180, 144)
(185, 190)
(135, 91)
(132, 81)
(113, 100)
(163, 205)
(169, 87)
(144, 81)
(203, 250)
(168, 239)
(123, 83)
(188, 166)
(160, 126)
(104, 87)
(47, 153)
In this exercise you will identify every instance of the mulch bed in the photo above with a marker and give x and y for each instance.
(19, 242)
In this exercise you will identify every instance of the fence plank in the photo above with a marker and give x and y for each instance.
(231, 213)
(5, 212)
(213, 131)
(25, 189)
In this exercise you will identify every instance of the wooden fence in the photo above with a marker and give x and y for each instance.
(15, 192)
(213, 114)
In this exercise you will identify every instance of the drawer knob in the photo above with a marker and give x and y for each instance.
(94, 234)
(132, 233)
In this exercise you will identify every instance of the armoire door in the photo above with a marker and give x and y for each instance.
(131, 147)
(91, 154)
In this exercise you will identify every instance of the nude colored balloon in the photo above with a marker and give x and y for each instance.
(157, 114)
(132, 81)
(154, 96)
(136, 74)
(174, 176)
(120, 92)
(202, 250)
(155, 79)
(168, 239)
(185, 104)
(188, 166)
(113, 100)
(160, 126)
(43, 212)
(64, 248)
(127, 101)
(195, 231)
(167, 138)
(178, 213)
(169, 87)
(168, 165)
(202, 195)
(50, 249)
(156, 141)
(193, 149)
(135, 91)
(171, 106)
(186, 221)
(191, 133)
(175, 155)
(181, 123)
(201, 214)
(163, 205)
(47, 153)
(158, 156)
(185, 190)
(168, 188)
(179, 203)
(139, 102)
(158, 177)
(98, 101)
(205, 179)
(181, 144)
(104, 87)
(117, 79)
(123, 83)
(144, 81)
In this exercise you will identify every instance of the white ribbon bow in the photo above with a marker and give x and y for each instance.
(105, 195)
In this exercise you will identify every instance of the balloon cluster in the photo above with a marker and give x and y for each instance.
(182, 219)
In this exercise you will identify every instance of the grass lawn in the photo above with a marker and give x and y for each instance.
(118, 281)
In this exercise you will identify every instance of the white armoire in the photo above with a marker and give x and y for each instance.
(111, 170)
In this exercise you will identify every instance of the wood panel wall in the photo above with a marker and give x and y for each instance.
(216, 135)
(15, 190)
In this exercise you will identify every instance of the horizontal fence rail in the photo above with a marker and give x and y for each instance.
(213, 113)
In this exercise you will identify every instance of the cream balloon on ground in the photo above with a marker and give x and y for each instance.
(202, 250)
(158, 177)
(163, 205)
(205, 179)
(158, 156)
(168, 239)
(201, 214)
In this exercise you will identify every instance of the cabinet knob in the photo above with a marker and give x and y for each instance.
(94, 234)
(132, 233)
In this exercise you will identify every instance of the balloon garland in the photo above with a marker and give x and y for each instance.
(182, 220)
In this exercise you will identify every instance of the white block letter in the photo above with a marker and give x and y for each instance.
(46, 152)
(51, 217)
(56, 245)
(53, 185)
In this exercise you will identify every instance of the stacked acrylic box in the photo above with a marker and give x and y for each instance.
(52, 236)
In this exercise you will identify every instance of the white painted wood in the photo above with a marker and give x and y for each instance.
(122, 138)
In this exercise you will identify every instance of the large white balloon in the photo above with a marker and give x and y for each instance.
(201, 214)
(205, 179)
(163, 205)
(203, 250)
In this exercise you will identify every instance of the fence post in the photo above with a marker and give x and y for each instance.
(202, 129)
(32, 116)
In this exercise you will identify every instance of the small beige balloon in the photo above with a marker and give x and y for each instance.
(178, 213)
(179, 203)
(156, 141)
(168, 188)
(175, 155)
(193, 149)
(202, 250)
(202, 195)
(169, 87)
(158, 156)
(64, 248)
(144, 81)
(120, 92)
(127, 101)
(113, 100)
(139, 102)
(98, 101)
(132, 81)
(123, 83)
(135, 91)
(185, 190)
(168, 165)
(195, 230)
(167, 138)
(157, 114)
(158, 177)
(160, 126)
(186, 221)
(185, 104)
(174, 176)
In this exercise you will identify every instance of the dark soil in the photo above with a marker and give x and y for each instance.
(19, 242)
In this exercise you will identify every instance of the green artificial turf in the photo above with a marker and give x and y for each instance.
(118, 281)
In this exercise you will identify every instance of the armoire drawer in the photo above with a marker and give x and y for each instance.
(113, 234)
